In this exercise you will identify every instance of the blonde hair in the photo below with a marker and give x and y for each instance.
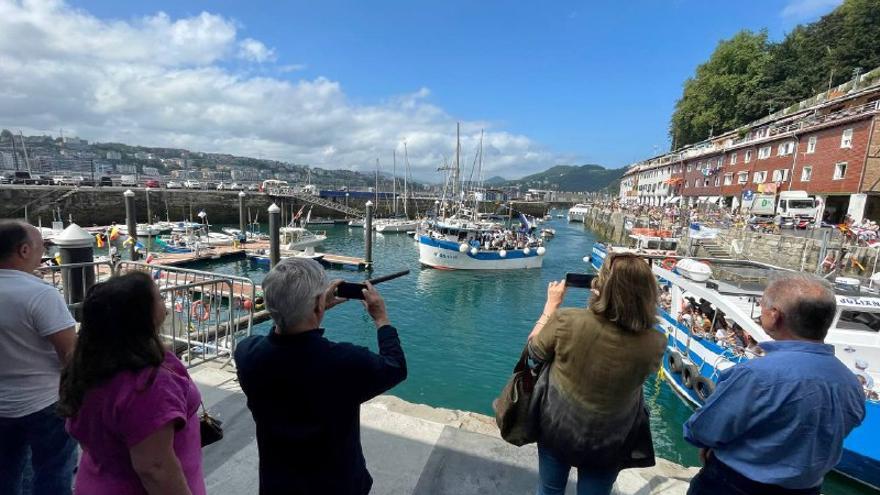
(627, 293)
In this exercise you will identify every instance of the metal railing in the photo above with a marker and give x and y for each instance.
(207, 312)
(310, 198)
(74, 279)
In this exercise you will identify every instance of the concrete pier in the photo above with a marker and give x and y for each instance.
(410, 449)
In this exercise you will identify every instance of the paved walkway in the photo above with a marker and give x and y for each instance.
(410, 449)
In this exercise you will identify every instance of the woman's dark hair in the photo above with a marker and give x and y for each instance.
(118, 333)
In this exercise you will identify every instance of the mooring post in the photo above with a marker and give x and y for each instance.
(241, 196)
(368, 240)
(274, 235)
(131, 222)
(149, 220)
(76, 246)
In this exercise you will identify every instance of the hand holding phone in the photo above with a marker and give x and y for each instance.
(579, 280)
(354, 290)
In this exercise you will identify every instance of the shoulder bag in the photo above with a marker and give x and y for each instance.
(513, 412)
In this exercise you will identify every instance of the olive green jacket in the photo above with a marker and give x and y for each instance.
(592, 413)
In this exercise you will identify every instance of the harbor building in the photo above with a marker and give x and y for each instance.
(828, 146)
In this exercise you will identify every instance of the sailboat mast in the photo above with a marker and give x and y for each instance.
(394, 179)
(405, 176)
(377, 184)
(457, 158)
(478, 190)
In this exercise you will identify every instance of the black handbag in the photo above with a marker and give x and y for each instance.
(210, 427)
(514, 407)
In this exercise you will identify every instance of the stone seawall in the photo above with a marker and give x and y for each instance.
(101, 206)
(801, 252)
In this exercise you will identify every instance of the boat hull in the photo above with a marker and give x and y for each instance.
(442, 254)
(397, 227)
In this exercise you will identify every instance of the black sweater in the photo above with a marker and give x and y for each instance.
(305, 392)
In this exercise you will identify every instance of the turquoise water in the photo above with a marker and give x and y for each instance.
(463, 331)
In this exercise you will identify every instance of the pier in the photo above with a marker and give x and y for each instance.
(409, 448)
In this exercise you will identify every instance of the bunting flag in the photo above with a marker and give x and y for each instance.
(114, 233)
(99, 239)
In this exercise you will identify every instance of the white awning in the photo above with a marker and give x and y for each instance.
(700, 199)
(713, 199)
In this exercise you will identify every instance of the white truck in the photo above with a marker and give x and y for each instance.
(786, 207)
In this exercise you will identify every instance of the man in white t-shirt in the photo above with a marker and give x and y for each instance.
(37, 337)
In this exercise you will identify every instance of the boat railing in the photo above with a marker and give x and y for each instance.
(208, 312)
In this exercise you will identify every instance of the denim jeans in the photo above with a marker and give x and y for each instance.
(554, 477)
(40, 439)
(716, 478)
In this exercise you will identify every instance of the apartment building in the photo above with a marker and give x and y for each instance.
(828, 146)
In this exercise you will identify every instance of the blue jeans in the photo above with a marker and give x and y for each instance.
(40, 439)
(554, 477)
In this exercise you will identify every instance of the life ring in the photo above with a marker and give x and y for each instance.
(668, 263)
(689, 375)
(704, 387)
(200, 310)
(673, 360)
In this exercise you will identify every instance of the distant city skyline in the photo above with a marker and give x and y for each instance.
(341, 83)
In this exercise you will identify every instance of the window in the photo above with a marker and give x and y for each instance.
(689, 167)
(806, 174)
(759, 177)
(780, 175)
(687, 184)
(748, 157)
(811, 145)
(785, 148)
(839, 170)
(733, 158)
(728, 179)
(846, 138)
(717, 180)
(706, 182)
(720, 161)
(742, 177)
(764, 152)
(696, 182)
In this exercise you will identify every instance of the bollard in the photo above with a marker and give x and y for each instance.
(274, 235)
(241, 196)
(368, 241)
(76, 246)
(131, 222)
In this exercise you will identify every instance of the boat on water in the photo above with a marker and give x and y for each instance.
(320, 221)
(298, 238)
(578, 212)
(146, 230)
(356, 222)
(651, 242)
(399, 226)
(261, 256)
(251, 236)
(461, 244)
(730, 291)
(548, 233)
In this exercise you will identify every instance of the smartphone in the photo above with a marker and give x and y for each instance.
(353, 290)
(579, 280)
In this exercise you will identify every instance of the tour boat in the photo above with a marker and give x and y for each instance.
(643, 241)
(733, 290)
(578, 212)
(294, 238)
(462, 245)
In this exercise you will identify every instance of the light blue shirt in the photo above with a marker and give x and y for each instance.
(781, 419)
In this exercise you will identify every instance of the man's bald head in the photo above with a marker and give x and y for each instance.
(805, 304)
(21, 245)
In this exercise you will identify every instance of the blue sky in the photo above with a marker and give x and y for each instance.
(578, 82)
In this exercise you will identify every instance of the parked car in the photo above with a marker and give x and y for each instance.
(209, 185)
(105, 181)
(4, 179)
(87, 182)
(235, 186)
(222, 186)
(191, 184)
(253, 187)
(171, 184)
(22, 177)
(128, 180)
(153, 183)
(58, 180)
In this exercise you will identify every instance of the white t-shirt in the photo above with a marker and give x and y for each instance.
(29, 367)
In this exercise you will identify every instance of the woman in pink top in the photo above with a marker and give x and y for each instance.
(130, 403)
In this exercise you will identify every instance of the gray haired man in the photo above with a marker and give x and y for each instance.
(305, 391)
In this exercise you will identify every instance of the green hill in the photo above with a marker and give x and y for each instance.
(572, 178)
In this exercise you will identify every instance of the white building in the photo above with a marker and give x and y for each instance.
(6, 160)
(114, 155)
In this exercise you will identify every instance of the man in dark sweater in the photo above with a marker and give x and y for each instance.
(305, 391)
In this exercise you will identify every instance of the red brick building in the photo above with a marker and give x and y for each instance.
(828, 146)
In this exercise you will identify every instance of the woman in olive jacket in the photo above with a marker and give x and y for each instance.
(592, 413)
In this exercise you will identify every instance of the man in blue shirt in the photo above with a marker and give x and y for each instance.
(776, 424)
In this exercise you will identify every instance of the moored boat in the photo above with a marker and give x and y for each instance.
(578, 213)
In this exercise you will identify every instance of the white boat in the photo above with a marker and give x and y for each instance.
(216, 239)
(298, 238)
(397, 226)
(694, 270)
(145, 230)
(694, 359)
(455, 244)
(261, 256)
(356, 222)
(578, 212)
(320, 221)
(251, 236)
(650, 242)
(548, 233)
(186, 226)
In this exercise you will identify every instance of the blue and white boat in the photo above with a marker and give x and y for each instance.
(465, 245)
(693, 360)
(650, 242)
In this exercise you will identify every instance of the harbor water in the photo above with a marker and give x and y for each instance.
(464, 330)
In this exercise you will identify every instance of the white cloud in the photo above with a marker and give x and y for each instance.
(285, 69)
(251, 49)
(159, 81)
(804, 10)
